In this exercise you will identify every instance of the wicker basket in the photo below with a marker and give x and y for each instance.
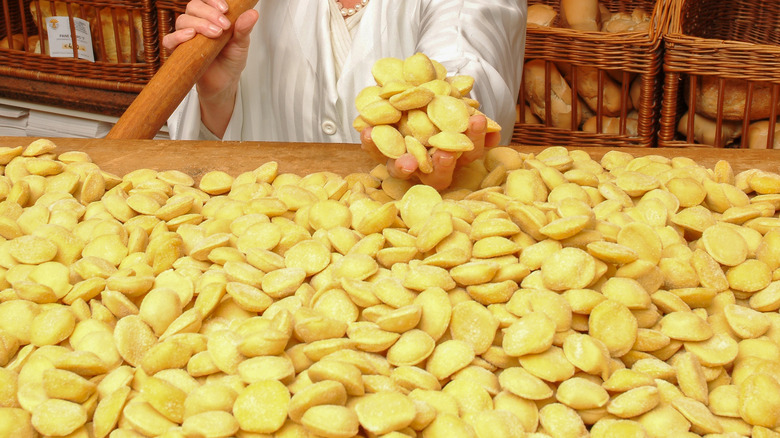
(167, 12)
(719, 55)
(124, 42)
(625, 56)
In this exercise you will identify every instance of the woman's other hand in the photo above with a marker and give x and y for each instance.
(444, 163)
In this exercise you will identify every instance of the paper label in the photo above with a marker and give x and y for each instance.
(61, 43)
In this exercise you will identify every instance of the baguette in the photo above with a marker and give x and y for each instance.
(529, 118)
(560, 94)
(126, 31)
(704, 130)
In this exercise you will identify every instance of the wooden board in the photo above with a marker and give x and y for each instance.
(198, 157)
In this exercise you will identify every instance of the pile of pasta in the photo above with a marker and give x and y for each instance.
(585, 15)
(543, 295)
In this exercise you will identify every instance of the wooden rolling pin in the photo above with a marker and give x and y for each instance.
(168, 87)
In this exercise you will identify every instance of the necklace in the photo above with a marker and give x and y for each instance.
(348, 12)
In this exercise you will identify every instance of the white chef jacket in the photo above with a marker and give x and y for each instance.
(289, 90)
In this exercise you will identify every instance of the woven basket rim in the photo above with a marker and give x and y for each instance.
(659, 24)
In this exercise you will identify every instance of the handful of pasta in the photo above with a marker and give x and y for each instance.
(416, 108)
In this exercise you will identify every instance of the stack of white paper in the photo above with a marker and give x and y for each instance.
(46, 124)
(13, 121)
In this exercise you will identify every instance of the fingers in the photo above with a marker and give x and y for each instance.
(189, 25)
(402, 168)
(172, 40)
(492, 139)
(476, 133)
(444, 164)
(210, 14)
(369, 147)
(202, 16)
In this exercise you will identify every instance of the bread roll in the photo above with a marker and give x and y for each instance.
(560, 94)
(540, 14)
(704, 130)
(758, 134)
(604, 12)
(581, 14)
(735, 97)
(17, 42)
(611, 125)
(588, 89)
(637, 21)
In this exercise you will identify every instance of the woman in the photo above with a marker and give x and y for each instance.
(292, 68)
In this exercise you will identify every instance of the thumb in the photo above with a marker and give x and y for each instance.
(243, 27)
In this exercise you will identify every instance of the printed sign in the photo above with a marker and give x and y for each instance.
(61, 43)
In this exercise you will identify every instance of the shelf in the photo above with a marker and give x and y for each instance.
(88, 100)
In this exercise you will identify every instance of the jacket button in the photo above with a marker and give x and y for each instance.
(328, 127)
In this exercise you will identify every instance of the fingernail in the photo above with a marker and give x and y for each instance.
(224, 22)
(215, 29)
(447, 160)
(222, 6)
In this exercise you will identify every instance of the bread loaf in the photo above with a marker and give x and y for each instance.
(560, 94)
(581, 14)
(704, 130)
(611, 125)
(734, 98)
(540, 14)
(758, 135)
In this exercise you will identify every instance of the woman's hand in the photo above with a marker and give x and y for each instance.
(444, 163)
(217, 87)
